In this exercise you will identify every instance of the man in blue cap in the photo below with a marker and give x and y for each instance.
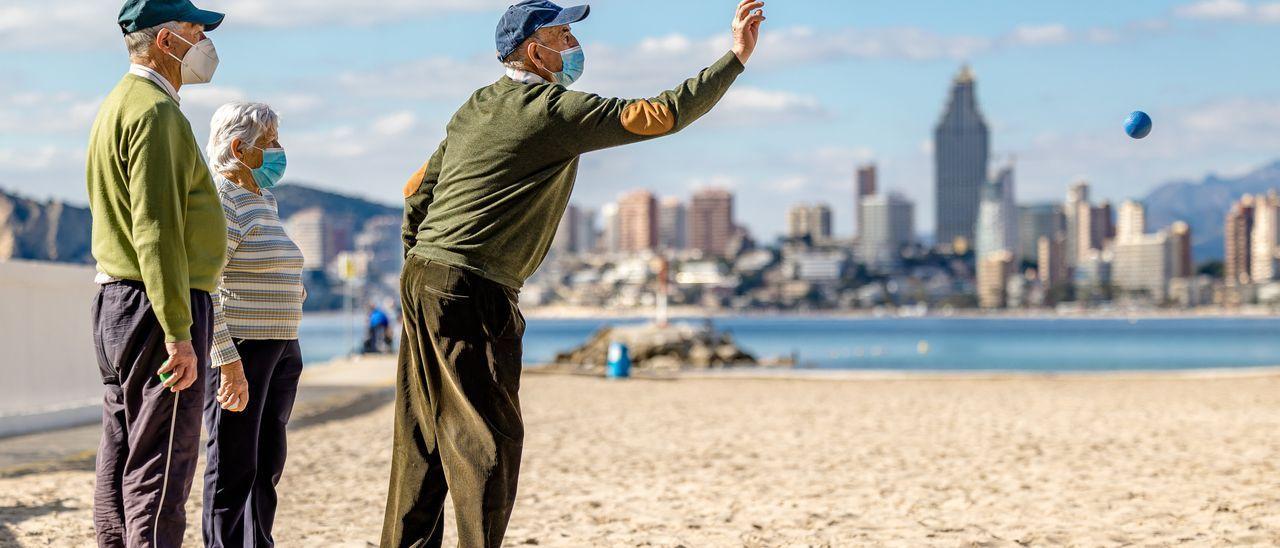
(479, 218)
(159, 237)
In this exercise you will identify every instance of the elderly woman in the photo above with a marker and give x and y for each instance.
(256, 312)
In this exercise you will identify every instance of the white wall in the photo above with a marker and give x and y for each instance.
(48, 370)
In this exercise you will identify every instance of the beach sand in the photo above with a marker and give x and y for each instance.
(1085, 461)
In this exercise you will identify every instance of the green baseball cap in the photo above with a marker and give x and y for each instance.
(136, 15)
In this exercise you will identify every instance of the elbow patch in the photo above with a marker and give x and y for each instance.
(415, 182)
(648, 119)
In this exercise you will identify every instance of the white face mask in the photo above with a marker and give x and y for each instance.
(200, 62)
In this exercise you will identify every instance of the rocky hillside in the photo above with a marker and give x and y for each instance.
(1203, 205)
(43, 231)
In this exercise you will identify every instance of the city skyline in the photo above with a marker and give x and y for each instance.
(835, 85)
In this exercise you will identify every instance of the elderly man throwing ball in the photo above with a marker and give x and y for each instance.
(479, 218)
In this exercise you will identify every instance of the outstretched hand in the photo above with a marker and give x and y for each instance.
(746, 28)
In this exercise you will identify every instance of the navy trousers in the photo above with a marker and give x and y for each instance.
(246, 450)
(135, 502)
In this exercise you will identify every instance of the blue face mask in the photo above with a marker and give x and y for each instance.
(573, 61)
(269, 174)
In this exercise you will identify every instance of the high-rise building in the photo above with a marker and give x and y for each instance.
(811, 221)
(1051, 263)
(1104, 224)
(997, 228)
(673, 224)
(1183, 263)
(320, 236)
(1094, 227)
(380, 242)
(1265, 238)
(566, 241)
(866, 184)
(1035, 222)
(1077, 201)
(1132, 221)
(993, 278)
(890, 226)
(1238, 244)
(961, 144)
(711, 221)
(610, 229)
(1142, 265)
(638, 221)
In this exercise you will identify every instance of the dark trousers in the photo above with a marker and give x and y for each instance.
(458, 429)
(245, 451)
(135, 502)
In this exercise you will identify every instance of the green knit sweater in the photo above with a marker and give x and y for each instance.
(156, 214)
(490, 199)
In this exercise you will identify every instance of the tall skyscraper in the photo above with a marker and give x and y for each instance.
(993, 278)
(586, 238)
(638, 221)
(1183, 263)
(321, 236)
(890, 226)
(961, 144)
(1051, 264)
(997, 228)
(864, 186)
(1132, 221)
(1265, 238)
(673, 224)
(1238, 234)
(1077, 201)
(1038, 221)
(711, 221)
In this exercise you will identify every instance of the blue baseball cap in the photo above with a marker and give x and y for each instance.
(526, 17)
(136, 15)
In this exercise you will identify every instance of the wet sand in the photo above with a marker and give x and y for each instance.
(1146, 460)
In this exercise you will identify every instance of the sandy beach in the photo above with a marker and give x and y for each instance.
(1089, 461)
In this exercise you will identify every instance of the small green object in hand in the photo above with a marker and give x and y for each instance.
(164, 377)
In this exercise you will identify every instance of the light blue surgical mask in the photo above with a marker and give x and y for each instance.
(274, 162)
(573, 61)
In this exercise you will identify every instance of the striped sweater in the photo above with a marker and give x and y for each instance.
(260, 294)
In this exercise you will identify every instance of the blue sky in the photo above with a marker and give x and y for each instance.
(365, 91)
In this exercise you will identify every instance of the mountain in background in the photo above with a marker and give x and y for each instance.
(55, 231)
(1204, 205)
(43, 231)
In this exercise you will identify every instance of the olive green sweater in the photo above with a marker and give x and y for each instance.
(156, 214)
(490, 199)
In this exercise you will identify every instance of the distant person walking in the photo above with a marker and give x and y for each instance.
(159, 239)
(479, 218)
(256, 311)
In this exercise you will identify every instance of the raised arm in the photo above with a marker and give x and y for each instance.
(599, 123)
(418, 194)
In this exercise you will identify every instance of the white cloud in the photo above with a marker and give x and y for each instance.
(1231, 10)
(1039, 35)
(211, 96)
(748, 106)
(396, 124)
(428, 78)
(296, 13)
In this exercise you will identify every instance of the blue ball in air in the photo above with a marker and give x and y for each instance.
(1138, 124)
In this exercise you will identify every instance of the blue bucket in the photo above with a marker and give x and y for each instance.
(619, 366)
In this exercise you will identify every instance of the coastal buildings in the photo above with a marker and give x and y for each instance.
(993, 279)
(889, 224)
(673, 224)
(320, 235)
(610, 229)
(711, 227)
(1077, 201)
(1183, 262)
(865, 185)
(997, 228)
(1238, 244)
(1143, 265)
(1035, 222)
(1132, 221)
(810, 221)
(961, 144)
(1051, 267)
(1264, 238)
(637, 222)
(568, 232)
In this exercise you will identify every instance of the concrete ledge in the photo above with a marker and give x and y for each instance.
(67, 417)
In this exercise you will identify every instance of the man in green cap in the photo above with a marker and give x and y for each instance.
(479, 219)
(159, 238)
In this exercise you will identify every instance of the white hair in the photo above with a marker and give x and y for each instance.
(140, 42)
(238, 120)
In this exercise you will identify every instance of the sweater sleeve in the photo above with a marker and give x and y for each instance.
(158, 189)
(224, 348)
(593, 122)
(418, 194)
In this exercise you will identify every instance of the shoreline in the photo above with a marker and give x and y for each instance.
(693, 313)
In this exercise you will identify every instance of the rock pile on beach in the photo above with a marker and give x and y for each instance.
(660, 348)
